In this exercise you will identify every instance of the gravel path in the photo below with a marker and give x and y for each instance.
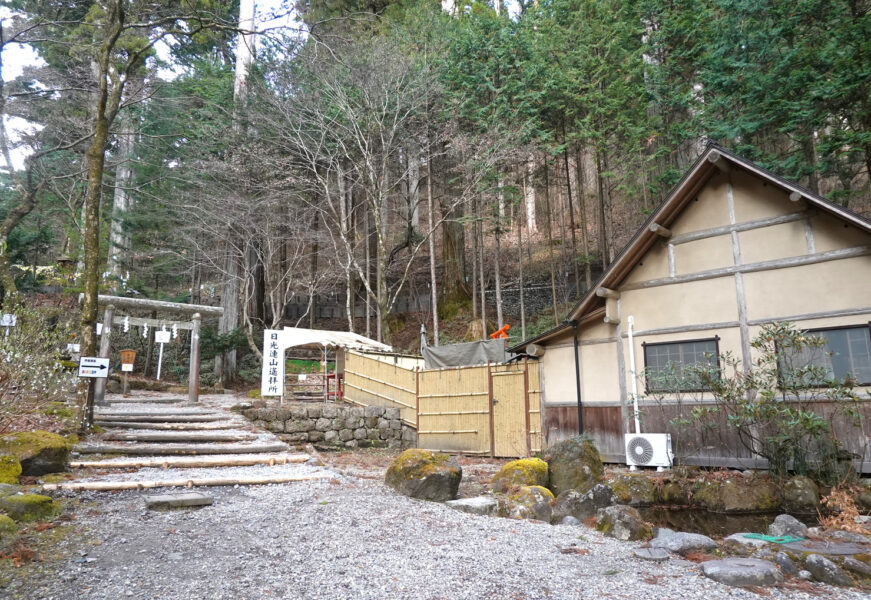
(350, 538)
(344, 535)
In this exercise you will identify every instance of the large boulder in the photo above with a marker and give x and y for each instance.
(425, 475)
(623, 523)
(826, 571)
(39, 452)
(530, 502)
(582, 506)
(681, 542)
(801, 495)
(526, 471)
(10, 469)
(737, 494)
(574, 464)
(634, 489)
(29, 507)
(742, 572)
(787, 525)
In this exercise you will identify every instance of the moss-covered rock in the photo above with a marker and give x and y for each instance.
(801, 495)
(30, 507)
(674, 493)
(7, 526)
(10, 469)
(425, 475)
(574, 464)
(60, 409)
(623, 523)
(737, 494)
(531, 502)
(634, 489)
(526, 471)
(39, 452)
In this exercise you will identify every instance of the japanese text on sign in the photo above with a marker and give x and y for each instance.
(272, 380)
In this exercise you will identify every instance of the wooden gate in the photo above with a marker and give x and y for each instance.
(510, 413)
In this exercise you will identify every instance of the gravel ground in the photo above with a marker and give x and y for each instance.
(349, 538)
(342, 536)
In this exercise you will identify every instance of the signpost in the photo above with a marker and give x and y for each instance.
(94, 367)
(128, 357)
(161, 337)
(272, 381)
(8, 320)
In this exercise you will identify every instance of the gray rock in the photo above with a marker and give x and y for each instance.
(745, 542)
(542, 511)
(806, 575)
(395, 424)
(177, 500)
(857, 566)
(330, 411)
(479, 505)
(276, 426)
(360, 434)
(425, 475)
(346, 434)
(681, 542)
(849, 536)
(382, 424)
(623, 523)
(583, 506)
(570, 520)
(298, 412)
(826, 571)
(394, 444)
(351, 444)
(7, 489)
(331, 437)
(315, 436)
(787, 525)
(654, 554)
(315, 411)
(742, 571)
(574, 464)
(787, 566)
(373, 411)
(322, 424)
(391, 413)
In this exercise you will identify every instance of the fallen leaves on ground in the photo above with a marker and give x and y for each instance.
(573, 550)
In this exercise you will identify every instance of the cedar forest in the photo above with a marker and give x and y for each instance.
(367, 152)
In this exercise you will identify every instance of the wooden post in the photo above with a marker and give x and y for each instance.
(194, 367)
(492, 422)
(526, 405)
(105, 341)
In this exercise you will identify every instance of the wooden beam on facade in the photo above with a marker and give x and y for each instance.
(660, 230)
(716, 159)
(603, 292)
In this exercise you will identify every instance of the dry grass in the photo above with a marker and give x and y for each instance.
(844, 512)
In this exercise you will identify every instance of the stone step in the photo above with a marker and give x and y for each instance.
(189, 437)
(206, 426)
(158, 501)
(146, 400)
(184, 462)
(180, 449)
(160, 418)
(195, 482)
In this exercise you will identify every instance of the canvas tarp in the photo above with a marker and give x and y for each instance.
(464, 355)
(297, 336)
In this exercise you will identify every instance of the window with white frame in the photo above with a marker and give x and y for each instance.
(675, 366)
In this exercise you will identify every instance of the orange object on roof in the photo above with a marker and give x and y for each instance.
(501, 333)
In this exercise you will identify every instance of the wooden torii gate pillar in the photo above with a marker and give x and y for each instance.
(197, 311)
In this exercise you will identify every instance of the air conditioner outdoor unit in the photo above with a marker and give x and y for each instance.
(649, 450)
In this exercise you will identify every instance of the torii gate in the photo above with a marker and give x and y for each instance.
(197, 311)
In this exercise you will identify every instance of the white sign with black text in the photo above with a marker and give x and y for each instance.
(93, 366)
(272, 381)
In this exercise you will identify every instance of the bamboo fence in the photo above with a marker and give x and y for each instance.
(489, 409)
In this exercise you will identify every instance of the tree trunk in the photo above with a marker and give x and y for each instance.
(497, 232)
(122, 202)
(453, 257)
(603, 229)
(313, 272)
(432, 257)
(575, 257)
(520, 270)
(474, 262)
(529, 194)
(479, 232)
(551, 259)
(582, 207)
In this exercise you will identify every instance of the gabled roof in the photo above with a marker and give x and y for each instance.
(713, 160)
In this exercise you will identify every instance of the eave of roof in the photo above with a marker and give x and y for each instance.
(694, 179)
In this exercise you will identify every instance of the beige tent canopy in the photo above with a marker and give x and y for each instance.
(297, 336)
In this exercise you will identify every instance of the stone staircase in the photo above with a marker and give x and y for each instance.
(156, 440)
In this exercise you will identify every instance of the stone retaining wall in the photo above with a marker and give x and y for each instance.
(334, 424)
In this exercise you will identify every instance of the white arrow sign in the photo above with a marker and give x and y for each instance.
(92, 366)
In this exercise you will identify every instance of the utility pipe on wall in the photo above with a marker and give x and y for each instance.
(578, 379)
(631, 321)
